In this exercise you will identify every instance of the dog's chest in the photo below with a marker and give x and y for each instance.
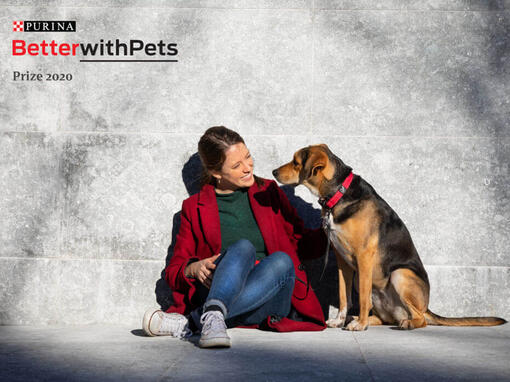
(337, 239)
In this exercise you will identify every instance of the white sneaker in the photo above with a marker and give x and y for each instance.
(214, 330)
(158, 323)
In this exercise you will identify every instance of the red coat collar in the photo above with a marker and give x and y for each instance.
(209, 217)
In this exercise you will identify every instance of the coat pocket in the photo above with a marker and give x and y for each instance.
(301, 288)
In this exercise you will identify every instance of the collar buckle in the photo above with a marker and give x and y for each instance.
(342, 189)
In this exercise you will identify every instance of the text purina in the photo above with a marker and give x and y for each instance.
(49, 26)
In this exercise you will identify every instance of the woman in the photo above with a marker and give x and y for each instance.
(237, 257)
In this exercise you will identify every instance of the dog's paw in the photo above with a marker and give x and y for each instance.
(339, 320)
(336, 322)
(357, 326)
(406, 324)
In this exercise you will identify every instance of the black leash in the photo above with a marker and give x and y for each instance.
(326, 225)
(328, 204)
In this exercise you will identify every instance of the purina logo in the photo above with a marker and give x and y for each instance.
(44, 26)
(132, 50)
(17, 26)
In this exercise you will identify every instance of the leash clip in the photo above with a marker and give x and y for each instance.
(326, 224)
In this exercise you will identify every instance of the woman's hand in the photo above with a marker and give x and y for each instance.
(202, 270)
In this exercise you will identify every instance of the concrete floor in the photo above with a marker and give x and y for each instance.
(111, 353)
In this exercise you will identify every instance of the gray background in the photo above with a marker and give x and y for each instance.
(414, 95)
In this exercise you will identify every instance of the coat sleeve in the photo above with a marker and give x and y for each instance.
(311, 243)
(184, 251)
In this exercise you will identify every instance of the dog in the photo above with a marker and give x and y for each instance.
(369, 239)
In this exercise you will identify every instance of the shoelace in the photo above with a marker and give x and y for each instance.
(175, 326)
(212, 322)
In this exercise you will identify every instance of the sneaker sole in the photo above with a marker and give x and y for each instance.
(146, 322)
(220, 342)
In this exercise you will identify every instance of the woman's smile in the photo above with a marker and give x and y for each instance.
(247, 177)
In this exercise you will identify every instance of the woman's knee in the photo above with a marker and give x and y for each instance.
(243, 248)
(283, 263)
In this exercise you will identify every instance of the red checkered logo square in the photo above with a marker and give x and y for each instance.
(17, 26)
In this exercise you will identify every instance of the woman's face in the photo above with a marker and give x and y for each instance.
(237, 170)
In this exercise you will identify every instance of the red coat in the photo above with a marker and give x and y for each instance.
(282, 230)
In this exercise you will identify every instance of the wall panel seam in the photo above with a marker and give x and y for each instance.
(162, 260)
(84, 132)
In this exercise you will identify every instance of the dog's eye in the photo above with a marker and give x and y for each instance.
(294, 163)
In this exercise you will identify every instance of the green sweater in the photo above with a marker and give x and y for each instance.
(237, 221)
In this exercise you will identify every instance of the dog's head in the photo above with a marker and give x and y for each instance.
(311, 166)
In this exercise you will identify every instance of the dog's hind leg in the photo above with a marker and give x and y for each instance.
(414, 294)
(373, 320)
(345, 274)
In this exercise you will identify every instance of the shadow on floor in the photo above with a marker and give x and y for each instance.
(425, 355)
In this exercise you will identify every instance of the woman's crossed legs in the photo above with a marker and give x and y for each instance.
(246, 294)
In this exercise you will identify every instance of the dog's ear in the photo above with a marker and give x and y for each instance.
(313, 162)
(317, 160)
(318, 167)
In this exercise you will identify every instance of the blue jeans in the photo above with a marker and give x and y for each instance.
(246, 293)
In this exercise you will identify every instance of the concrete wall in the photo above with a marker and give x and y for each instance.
(414, 95)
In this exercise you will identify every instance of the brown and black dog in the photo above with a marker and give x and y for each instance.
(369, 238)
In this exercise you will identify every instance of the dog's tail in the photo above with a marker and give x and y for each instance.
(434, 319)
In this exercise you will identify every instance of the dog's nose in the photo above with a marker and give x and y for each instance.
(275, 173)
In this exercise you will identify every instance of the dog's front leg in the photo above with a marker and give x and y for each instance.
(365, 264)
(345, 274)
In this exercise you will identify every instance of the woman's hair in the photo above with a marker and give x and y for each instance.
(211, 149)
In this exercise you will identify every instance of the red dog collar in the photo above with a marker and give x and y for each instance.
(338, 194)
